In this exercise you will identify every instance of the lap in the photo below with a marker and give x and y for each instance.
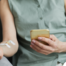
(5, 62)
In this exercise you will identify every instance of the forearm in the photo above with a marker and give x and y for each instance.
(9, 31)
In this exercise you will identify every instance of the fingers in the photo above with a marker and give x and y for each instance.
(36, 48)
(41, 46)
(47, 40)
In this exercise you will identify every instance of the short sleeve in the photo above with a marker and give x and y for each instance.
(10, 5)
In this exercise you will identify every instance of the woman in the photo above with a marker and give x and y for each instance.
(25, 15)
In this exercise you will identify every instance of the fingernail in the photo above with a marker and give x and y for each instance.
(33, 41)
(39, 38)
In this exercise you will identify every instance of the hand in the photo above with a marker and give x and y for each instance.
(54, 45)
(1, 53)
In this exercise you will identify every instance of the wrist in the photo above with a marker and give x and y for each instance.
(62, 47)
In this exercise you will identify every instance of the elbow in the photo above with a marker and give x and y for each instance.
(13, 50)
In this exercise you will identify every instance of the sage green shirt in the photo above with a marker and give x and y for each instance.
(38, 14)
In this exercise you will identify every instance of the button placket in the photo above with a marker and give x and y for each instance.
(40, 21)
(40, 17)
(40, 13)
(40, 9)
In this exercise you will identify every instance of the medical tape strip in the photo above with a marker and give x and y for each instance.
(7, 43)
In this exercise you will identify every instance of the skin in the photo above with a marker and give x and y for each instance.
(54, 45)
(1, 50)
(9, 33)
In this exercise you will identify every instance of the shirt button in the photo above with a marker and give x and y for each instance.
(38, 5)
(41, 18)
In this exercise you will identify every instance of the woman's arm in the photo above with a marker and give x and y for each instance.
(9, 31)
(65, 4)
